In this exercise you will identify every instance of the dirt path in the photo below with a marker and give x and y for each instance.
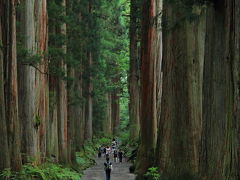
(120, 171)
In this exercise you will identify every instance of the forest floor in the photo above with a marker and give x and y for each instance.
(120, 171)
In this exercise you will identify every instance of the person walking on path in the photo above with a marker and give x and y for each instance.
(120, 155)
(115, 155)
(108, 169)
(108, 152)
(99, 152)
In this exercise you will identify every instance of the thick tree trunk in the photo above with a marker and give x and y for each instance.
(80, 121)
(220, 136)
(89, 104)
(12, 94)
(107, 123)
(27, 94)
(62, 100)
(52, 128)
(148, 119)
(42, 95)
(180, 121)
(115, 112)
(134, 76)
(72, 115)
(4, 153)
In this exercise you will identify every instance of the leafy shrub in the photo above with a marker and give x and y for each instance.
(46, 171)
(152, 174)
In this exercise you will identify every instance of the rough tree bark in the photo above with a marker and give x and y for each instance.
(89, 103)
(4, 153)
(12, 92)
(133, 79)
(180, 121)
(221, 109)
(80, 120)
(42, 88)
(115, 110)
(72, 115)
(62, 99)
(107, 123)
(27, 95)
(148, 119)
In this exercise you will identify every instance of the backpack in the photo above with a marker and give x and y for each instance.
(108, 166)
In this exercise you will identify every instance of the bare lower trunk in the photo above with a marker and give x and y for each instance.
(148, 119)
(220, 136)
(27, 94)
(62, 100)
(4, 153)
(71, 116)
(180, 121)
(12, 101)
(107, 123)
(134, 76)
(115, 112)
(42, 88)
(89, 104)
(52, 128)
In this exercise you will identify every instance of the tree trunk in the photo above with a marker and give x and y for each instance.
(220, 136)
(80, 120)
(89, 104)
(133, 79)
(42, 94)
(52, 130)
(4, 153)
(115, 111)
(180, 121)
(12, 94)
(72, 115)
(62, 100)
(107, 123)
(27, 94)
(148, 119)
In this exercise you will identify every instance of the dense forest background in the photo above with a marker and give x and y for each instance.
(162, 75)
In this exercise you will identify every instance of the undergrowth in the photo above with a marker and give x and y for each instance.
(45, 171)
(54, 171)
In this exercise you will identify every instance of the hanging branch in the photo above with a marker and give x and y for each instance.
(39, 70)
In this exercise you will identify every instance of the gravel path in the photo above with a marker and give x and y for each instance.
(120, 171)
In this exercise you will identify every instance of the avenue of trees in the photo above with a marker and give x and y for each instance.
(67, 67)
(62, 68)
(190, 74)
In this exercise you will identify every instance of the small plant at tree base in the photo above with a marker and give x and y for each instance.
(152, 174)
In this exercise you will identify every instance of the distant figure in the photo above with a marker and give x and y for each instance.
(120, 155)
(108, 169)
(108, 150)
(104, 151)
(114, 143)
(99, 152)
(115, 155)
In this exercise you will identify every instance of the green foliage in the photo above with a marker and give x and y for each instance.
(152, 174)
(85, 158)
(46, 171)
(37, 121)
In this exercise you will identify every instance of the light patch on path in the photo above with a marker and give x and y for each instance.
(120, 171)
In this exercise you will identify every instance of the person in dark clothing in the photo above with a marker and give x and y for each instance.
(120, 155)
(100, 152)
(104, 151)
(115, 155)
(108, 169)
